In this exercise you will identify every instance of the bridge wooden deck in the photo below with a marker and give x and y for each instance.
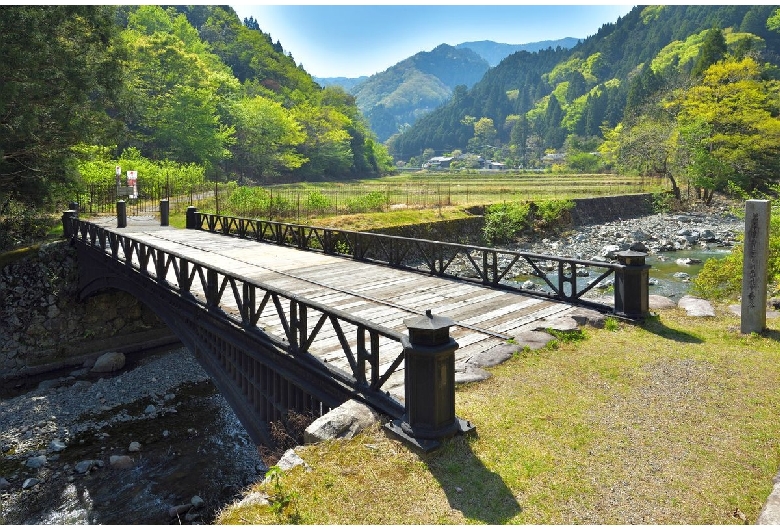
(484, 317)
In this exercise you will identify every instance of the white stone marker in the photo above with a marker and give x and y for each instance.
(754, 266)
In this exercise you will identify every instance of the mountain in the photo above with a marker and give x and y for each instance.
(532, 102)
(347, 83)
(396, 98)
(495, 52)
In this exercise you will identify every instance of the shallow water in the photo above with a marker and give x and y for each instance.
(663, 266)
(200, 450)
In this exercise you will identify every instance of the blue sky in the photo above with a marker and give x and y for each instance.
(354, 40)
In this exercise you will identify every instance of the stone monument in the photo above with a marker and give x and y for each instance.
(754, 266)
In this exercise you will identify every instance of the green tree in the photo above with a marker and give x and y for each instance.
(59, 71)
(179, 92)
(735, 111)
(773, 22)
(712, 50)
(645, 147)
(268, 136)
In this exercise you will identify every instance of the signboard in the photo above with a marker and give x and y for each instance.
(132, 182)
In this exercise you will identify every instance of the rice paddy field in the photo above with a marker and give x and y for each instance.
(426, 190)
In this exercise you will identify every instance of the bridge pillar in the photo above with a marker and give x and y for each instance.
(632, 284)
(67, 228)
(121, 214)
(192, 218)
(429, 384)
(164, 212)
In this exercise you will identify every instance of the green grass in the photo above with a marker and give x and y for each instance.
(675, 421)
(429, 190)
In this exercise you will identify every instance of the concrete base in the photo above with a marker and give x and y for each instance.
(400, 430)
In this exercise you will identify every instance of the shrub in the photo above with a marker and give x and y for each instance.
(504, 221)
(371, 202)
(22, 224)
(722, 278)
(317, 202)
(254, 201)
(554, 212)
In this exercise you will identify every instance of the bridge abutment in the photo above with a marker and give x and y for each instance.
(429, 384)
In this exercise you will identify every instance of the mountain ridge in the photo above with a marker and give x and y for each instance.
(393, 100)
(531, 103)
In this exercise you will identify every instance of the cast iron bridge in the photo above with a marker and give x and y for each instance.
(291, 317)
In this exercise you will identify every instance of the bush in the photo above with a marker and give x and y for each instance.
(371, 202)
(722, 278)
(504, 221)
(317, 202)
(554, 212)
(22, 224)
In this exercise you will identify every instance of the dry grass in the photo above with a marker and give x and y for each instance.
(372, 221)
(676, 421)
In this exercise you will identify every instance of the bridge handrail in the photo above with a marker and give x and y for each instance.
(156, 262)
(491, 266)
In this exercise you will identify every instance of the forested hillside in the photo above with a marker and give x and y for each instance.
(191, 88)
(495, 52)
(686, 92)
(394, 99)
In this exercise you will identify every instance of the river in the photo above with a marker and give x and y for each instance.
(201, 450)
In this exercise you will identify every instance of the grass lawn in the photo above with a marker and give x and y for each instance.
(675, 421)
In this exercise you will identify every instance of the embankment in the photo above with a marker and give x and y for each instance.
(44, 327)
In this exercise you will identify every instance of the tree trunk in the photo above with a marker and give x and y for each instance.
(675, 187)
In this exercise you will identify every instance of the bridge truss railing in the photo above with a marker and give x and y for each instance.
(568, 279)
(373, 352)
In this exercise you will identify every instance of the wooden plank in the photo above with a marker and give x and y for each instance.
(378, 294)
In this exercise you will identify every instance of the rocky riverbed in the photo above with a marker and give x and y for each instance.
(151, 444)
(654, 234)
(677, 244)
(154, 443)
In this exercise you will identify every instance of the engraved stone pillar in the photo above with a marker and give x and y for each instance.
(754, 266)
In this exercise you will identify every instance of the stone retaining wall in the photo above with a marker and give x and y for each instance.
(43, 325)
(602, 209)
(585, 212)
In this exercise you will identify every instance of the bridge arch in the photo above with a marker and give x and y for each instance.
(257, 377)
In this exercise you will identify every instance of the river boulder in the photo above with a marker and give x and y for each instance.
(109, 362)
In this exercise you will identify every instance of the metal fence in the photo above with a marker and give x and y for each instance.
(568, 279)
(300, 204)
(96, 199)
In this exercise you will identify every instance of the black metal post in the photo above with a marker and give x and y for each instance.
(67, 227)
(121, 214)
(429, 385)
(192, 218)
(632, 284)
(164, 212)
(75, 207)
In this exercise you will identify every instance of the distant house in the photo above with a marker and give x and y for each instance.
(554, 158)
(439, 161)
(494, 165)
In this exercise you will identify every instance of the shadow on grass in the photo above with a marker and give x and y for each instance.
(471, 488)
(654, 325)
(771, 334)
